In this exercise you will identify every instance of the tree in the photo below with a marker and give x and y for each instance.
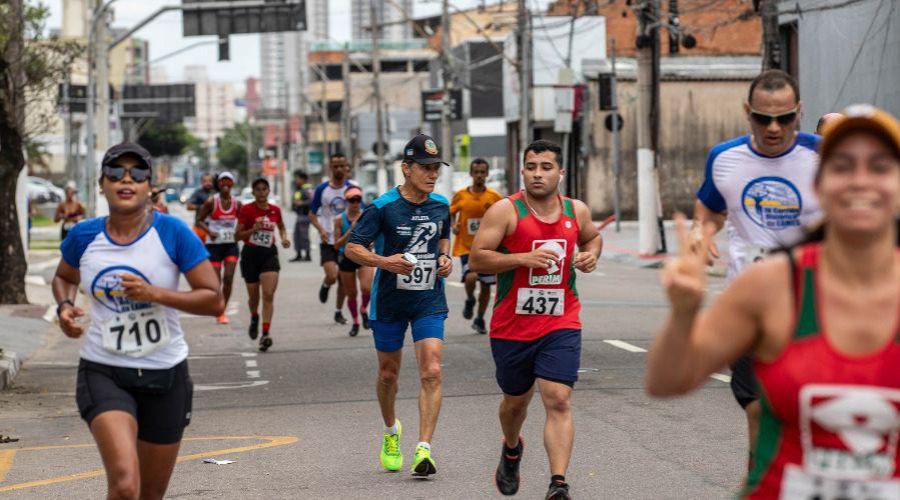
(165, 139)
(233, 154)
(31, 66)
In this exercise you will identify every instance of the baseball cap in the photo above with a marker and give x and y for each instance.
(127, 148)
(860, 117)
(226, 175)
(422, 150)
(352, 191)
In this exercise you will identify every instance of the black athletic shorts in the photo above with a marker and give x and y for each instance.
(327, 253)
(555, 357)
(160, 400)
(743, 381)
(223, 252)
(258, 260)
(345, 264)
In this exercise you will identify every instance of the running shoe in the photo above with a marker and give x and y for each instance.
(507, 476)
(469, 309)
(323, 294)
(339, 318)
(298, 258)
(423, 464)
(391, 457)
(365, 320)
(479, 326)
(253, 331)
(558, 491)
(354, 330)
(265, 342)
(223, 319)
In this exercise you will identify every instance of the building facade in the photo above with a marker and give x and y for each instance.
(393, 19)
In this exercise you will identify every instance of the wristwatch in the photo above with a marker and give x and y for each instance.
(445, 254)
(59, 306)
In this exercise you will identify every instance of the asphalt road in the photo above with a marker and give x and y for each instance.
(302, 421)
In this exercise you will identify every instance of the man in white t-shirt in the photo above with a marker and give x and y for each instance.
(328, 203)
(761, 185)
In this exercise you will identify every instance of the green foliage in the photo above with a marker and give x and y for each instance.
(166, 139)
(232, 153)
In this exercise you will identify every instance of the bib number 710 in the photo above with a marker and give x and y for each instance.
(136, 334)
(540, 301)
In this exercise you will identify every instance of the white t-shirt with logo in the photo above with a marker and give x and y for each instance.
(123, 332)
(327, 203)
(769, 201)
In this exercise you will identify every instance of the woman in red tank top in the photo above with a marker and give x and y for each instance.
(824, 335)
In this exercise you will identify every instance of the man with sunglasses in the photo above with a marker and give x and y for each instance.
(762, 185)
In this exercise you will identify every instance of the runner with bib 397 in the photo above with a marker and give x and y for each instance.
(529, 240)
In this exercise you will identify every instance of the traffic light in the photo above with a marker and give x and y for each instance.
(223, 48)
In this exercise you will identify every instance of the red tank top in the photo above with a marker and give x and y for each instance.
(219, 213)
(830, 422)
(532, 303)
(222, 223)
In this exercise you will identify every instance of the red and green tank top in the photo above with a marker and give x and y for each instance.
(531, 303)
(830, 422)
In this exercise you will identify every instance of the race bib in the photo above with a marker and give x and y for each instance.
(754, 254)
(798, 483)
(262, 238)
(472, 225)
(225, 230)
(136, 333)
(541, 301)
(69, 225)
(422, 277)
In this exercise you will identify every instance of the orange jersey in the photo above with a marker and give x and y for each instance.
(471, 208)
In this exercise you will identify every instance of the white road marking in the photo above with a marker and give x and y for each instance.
(721, 378)
(252, 373)
(43, 266)
(251, 363)
(248, 354)
(455, 284)
(625, 346)
(218, 386)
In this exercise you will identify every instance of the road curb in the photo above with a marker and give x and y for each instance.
(10, 364)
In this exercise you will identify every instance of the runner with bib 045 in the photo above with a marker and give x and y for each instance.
(133, 387)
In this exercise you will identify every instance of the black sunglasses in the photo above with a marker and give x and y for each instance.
(355, 199)
(116, 173)
(764, 119)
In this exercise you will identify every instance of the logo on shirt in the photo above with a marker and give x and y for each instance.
(421, 237)
(554, 274)
(337, 205)
(772, 203)
(108, 291)
(849, 431)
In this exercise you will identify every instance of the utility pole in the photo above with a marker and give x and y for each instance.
(447, 108)
(103, 96)
(323, 115)
(617, 164)
(381, 173)
(524, 57)
(648, 238)
(345, 105)
(771, 43)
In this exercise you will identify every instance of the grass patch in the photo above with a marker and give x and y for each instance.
(38, 220)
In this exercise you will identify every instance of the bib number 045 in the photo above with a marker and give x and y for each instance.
(136, 334)
(540, 301)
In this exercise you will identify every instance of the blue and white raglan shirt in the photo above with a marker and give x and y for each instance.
(123, 332)
(396, 225)
(769, 201)
(328, 202)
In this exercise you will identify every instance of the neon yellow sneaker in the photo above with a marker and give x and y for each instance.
(423, 464)
(391, 457)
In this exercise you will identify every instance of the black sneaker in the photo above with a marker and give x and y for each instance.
(507, 476)
(323, 294)
(365, 320)
(558, 491)
(253, 331)
(265, 342)
(469, 309)
(296, 259)
(479, 326)
(339, 318)
(354, 330)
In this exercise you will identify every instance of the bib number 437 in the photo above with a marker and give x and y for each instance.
(540, 301)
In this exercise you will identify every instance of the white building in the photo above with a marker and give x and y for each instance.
(393, 17)
(215, 106)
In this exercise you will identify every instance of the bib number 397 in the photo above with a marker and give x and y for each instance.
(422, 277)
(540, 301)
(136, 333)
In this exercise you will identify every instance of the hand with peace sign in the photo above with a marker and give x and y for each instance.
(684, 277)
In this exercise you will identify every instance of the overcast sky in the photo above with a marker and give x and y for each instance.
(164, 35)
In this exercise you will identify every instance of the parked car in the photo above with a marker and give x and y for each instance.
(41, 190)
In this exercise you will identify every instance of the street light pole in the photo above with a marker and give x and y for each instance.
(447, 110)
(381, 173)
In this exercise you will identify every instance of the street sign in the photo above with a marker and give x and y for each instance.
(433, 105)
(169, 103)
(77, 98)
(605, 91)
(608, 122)
(267, 17)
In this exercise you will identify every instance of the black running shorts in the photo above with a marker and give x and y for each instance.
(347, 265)
(743, 381)
(258, 260)
(327, 253)
(223, 252)
(160, 400)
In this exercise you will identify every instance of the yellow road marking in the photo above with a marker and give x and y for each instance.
(6, 459)
(272, 441)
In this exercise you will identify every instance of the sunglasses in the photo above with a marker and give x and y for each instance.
(116, 173)
(355, 199)
(764, 119)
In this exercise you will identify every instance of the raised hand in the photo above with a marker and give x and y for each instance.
(684, 277)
